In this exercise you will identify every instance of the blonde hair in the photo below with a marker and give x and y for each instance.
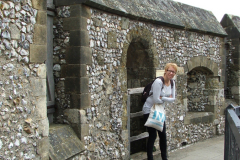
(174, 65)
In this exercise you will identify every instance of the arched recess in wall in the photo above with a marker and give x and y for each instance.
(139, 61)
(202, 84)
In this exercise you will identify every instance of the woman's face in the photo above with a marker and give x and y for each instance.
(170, 73)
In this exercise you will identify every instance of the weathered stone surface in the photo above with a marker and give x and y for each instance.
(41, 110)
(41, 4)
(196, 118)
(112, 40)
(15, 32)
(40, 37)
(24, 124)
(38, 53)
(38, 86)
(43, 148)
(64, 143)
(80, 10)
(231, 23)
(41, 72)
(102, 73)
(42, 18)
(79, 38)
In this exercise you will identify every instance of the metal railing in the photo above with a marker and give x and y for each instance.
(232, 133)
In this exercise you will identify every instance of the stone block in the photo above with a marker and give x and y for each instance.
(83, 118)
(235, 89)
(80, 11)
(180, 71)
(86, 55)
(212, 100)
(84, 88)
(83, 70)
(79, 55)
(222, 52)
(43, 148)
(206, 37)
(38, 86)
(76, 85)
(41, 71)
(209, 108)
(64, 142)
(80, 101)
(40, 4)
(71, 23)
(84, 131)
(112, 39)
(214, 69)
(85, 101)
(97, 22)
(208, 118)
(72, 85)
(212, 51)
(74, 70)
(79, 38)
(205, 119)
(235, 53)
(41, 107)
(198, 117)
(41, 18)
(38, 53)
(236, 97)
(205, 62)
(72, 115)
(124, 23)
(196, 61)
(44, 127)
(232, 32)
(73, 55)
(40, 34)
(75, 23)
(196, 120)
(15, 32)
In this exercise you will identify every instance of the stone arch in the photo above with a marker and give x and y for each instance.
(202, 61)
(139, 62)
(144, 36)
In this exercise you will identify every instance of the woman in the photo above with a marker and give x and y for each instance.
(160, 93)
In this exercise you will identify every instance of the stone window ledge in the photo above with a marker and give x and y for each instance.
(198, 117)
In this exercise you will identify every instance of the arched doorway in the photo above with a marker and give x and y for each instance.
(140, 68)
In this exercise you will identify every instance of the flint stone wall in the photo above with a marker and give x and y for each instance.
(109, 37)
(100, 116)
(231, 24)
(23, 112)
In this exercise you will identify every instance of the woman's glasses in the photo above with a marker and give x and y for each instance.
(173, 72)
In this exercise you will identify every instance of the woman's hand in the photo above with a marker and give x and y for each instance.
(171, 96)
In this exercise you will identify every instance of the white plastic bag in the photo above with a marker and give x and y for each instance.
(156, 117)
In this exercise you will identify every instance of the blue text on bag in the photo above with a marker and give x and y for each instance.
(159, 116)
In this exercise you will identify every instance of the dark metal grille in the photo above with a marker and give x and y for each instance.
(232, 133)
